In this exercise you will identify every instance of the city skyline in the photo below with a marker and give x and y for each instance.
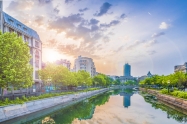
(110, 32)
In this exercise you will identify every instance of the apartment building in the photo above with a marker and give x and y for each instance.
(64, 62)
(86, 64)
(182, 68)
(10, 24)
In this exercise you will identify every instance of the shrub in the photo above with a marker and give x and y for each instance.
(24, 98)
(164, 91)
(47, 95)
(175, 93)
(18, 101)
(181, 94)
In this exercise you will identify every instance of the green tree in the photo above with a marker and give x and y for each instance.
(99, 79)
(84, 78)
(15, 69)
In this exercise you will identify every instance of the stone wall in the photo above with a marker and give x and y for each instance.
(182, 103)
(13, 111)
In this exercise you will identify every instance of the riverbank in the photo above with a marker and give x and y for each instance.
(178, 102)
(14, 111)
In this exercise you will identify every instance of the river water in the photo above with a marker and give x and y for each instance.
(114, 107)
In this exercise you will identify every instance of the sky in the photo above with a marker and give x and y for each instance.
(150, 35)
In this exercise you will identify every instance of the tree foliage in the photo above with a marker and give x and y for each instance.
(102, 80)
(177, 79)
(59, 75)
(15, 69)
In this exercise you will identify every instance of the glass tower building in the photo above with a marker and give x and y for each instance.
(127, 70)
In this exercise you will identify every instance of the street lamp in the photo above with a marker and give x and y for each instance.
(168, 85)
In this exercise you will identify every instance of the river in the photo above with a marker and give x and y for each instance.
(113, 107)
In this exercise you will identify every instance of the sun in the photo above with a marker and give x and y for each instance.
(52, 55)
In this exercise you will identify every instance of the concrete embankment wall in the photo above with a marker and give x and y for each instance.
(13, 111)
(181, 103)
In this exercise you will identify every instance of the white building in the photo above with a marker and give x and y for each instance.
(10, 24)
(145, 76)
(86, 64)
(182, 68)
(64, 63)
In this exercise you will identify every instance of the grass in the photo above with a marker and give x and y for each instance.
(43, 96)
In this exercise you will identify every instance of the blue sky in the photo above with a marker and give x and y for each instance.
(148, 34)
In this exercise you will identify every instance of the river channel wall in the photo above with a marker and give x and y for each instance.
(13, 111)
(178, 102)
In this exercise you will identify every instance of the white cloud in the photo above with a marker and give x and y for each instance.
(164, 25)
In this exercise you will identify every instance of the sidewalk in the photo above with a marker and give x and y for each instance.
(13, 111)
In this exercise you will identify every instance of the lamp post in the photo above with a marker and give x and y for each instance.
(168, 85)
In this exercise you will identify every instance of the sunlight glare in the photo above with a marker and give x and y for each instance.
(52, 55)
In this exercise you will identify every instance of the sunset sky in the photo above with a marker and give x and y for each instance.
(151, 35)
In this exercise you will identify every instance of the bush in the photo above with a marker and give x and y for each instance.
(175, 93)
(164, 91)
(47, 95)
(18, 101)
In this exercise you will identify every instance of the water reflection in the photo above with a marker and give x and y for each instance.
(173, 112)
(126, 99)
(126, 93)
(110, 108)
(83, 110)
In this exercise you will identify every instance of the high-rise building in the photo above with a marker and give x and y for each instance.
(127, 70)
(86, 64)
(126, 99)
(10, 24)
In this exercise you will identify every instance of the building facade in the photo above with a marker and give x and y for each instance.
(126, 78)
(64, 63)
(113, 77)
(145, 76)
(86, 64)
(10, 24)
(127, 70)
(182, 68)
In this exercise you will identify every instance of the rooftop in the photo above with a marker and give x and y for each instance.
(20, 26)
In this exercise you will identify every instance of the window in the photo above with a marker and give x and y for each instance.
(11, 30)
(19, 26)
(11, 21)
(19, 34)
(36, 75)
(37, 54)
(26, 39)
(37, 63)
(25, 29)
(37, 44)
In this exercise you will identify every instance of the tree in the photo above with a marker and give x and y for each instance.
(130, 82)
(46, 73)
(102, 80)
(84, 78)
(57, 75)
(15, 69)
